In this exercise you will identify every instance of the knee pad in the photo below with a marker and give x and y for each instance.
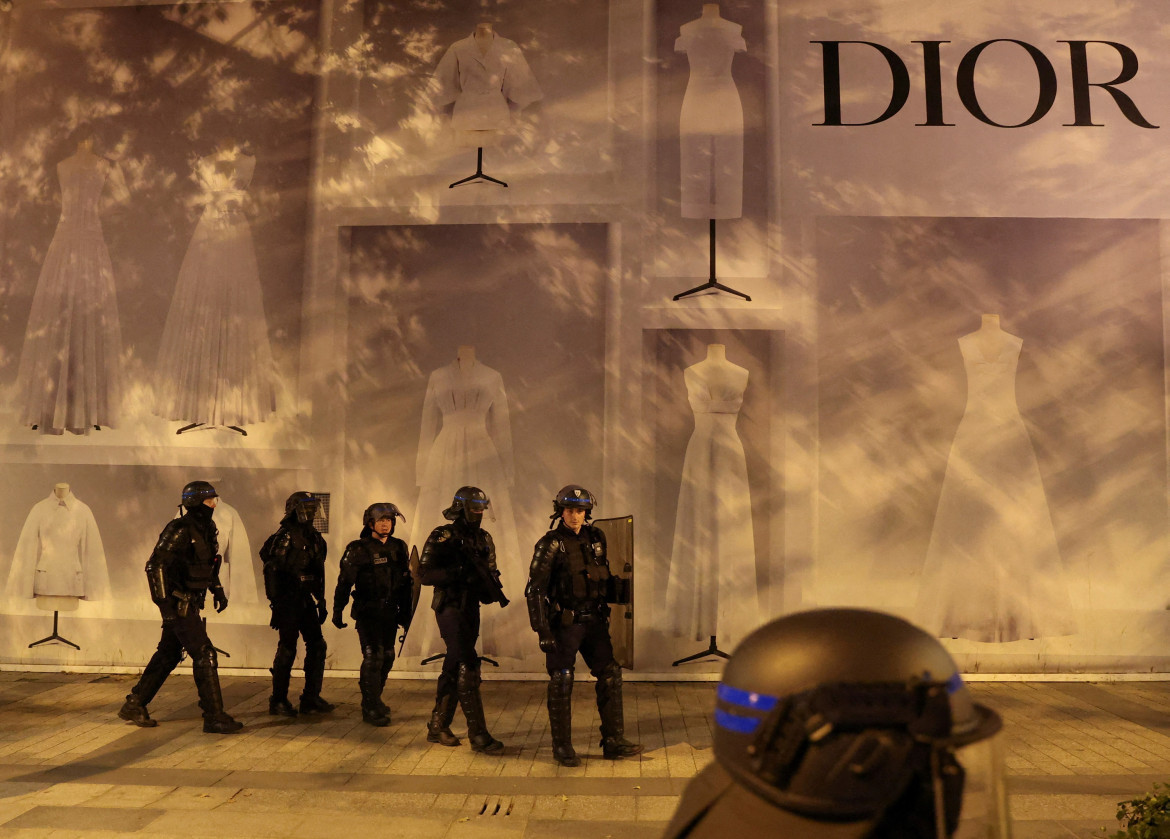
(285, 655)
(562, 675)
(205, 658)
(610, 673)
(316, 647)
(372, 657)
(468, 677)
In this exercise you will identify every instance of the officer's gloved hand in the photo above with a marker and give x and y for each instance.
(548, 644)
(219, 598)
(337, 621)
(322, 612)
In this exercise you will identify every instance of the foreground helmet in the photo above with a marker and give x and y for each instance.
(467, 499)
(196, 492)
(304, 504)
(844, 723)
(573, 497)
(381, 510)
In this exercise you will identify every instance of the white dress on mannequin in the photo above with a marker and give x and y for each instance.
(711, 123)
(993, 570)
(59, 553)
(466, 440)
(215, 363)
(481, 84)
(70, 376)
(711, 589)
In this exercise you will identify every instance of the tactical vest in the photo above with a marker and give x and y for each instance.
(581, 572)
(201, 567)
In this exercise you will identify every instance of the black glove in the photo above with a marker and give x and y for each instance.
(322, 612)
(337, 621)
(548, 644)
(219, 598)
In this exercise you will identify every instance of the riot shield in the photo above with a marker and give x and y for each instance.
(619, 542)
(416, 585)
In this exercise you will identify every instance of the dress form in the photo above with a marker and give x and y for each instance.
(712, 591)
(484, 78)
(59, 603)
(711, 132)
(993, 571)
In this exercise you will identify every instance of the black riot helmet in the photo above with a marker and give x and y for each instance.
(196, 492)
(847, 723)
(303, 504)
(573, 497)
(469, 500)
(381, 510)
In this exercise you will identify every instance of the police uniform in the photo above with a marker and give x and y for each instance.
(568, 595)
(294, 581)
(459, 560)
(379, 575)
(182, 568)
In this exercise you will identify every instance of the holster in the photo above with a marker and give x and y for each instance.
(183, 602)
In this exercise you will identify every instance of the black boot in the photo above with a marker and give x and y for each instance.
(311, 701)
(560, 716)
(215, 719)
(369, 682)
(281, 670)
(439, 728)
(472, 705)
(134, 711)
(614, 745)
(387, 663)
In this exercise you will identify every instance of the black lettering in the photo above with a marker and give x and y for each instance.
(1082, 114)
(932, 80)
(831, 63)
(965, 81)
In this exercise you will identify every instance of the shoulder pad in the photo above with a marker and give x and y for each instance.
(174, 536)
(441, 534)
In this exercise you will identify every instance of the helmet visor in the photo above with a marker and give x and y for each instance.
(984, 810)
(476, 505)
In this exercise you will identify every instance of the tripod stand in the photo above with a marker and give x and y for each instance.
(54, 637)
(712, 284)
(478, 174)
(712, 649)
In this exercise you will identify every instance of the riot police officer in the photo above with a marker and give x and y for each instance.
(183, 567)
(846, 723)
(459, 560)
(569, 590)
(377, 568)
(294, 581)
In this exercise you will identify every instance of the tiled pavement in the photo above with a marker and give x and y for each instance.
(69, 767)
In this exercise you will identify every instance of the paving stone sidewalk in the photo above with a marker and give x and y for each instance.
(69, 767)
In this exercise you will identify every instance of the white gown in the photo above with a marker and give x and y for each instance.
(993, 570)
(59, 553)
(711, 123)
(711, 589)
(70, 376)
(215, 363)
(466, 440)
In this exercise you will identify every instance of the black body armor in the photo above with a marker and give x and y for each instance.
(294, 563)
(460, 562)
(185, 562)
(379, 575)
(569, 580)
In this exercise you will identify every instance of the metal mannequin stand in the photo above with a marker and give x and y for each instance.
(712, 284)
(54, 637)
(712, 649)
